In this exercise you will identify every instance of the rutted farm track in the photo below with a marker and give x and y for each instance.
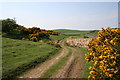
(71, 69)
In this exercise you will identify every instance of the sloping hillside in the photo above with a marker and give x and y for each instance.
(81, 33)
(19, 55)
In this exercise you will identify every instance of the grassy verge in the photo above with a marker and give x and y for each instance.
(86, 64)
(57, 66)
(19, 55)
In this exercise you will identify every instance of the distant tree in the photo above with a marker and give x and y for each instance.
(9, 25)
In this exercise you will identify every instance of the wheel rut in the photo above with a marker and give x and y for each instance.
(63, 72)
(40, 69)
(73, 67)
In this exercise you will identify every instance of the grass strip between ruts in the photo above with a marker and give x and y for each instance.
(57, 66)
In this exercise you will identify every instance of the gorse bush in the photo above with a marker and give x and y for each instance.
(104, 53)
(32, 30)
(34, 39)
(37, 32)
(23, 38)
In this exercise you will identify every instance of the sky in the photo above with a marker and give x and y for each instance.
(62, 15)
(119, 14)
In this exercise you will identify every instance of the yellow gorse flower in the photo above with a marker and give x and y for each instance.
(92, 72)
(104, 53)
(110, 75)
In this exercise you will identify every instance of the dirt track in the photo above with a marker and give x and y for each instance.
(72, 68)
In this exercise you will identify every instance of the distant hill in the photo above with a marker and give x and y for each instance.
(70, 31)
(77, 32)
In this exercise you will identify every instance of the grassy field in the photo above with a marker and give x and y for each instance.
(78, 33)
(67, 31)
(19, 55)
(59, 37)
